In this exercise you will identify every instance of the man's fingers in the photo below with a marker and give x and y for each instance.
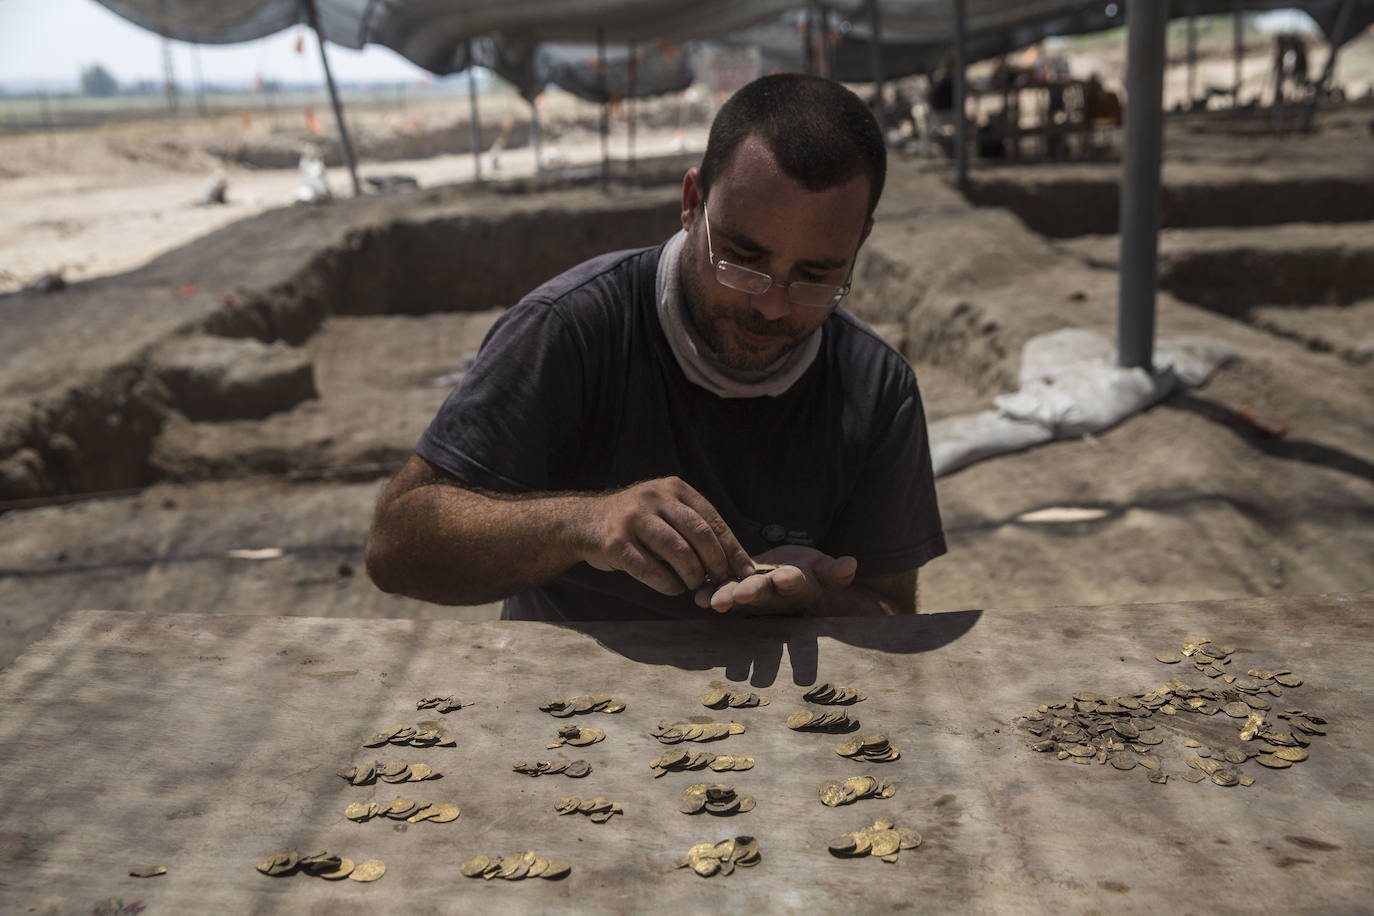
(724, 597)
(735, 559)
(644, 565)
(839, 573)
(667, 543)
(704, 552)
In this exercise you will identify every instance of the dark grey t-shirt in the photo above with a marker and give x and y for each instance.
(575, 389)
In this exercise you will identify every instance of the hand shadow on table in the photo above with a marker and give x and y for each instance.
(752, 648)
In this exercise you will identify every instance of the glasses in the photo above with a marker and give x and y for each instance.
(810, 295)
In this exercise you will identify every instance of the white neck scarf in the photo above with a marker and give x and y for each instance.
(695, 358)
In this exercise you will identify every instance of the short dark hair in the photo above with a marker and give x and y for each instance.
(821, 133)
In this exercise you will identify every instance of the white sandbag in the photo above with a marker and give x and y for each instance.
(1071, 386)
(962, 440)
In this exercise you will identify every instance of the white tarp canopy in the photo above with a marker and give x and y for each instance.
(533, 43)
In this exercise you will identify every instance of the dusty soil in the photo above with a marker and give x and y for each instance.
(390, 295)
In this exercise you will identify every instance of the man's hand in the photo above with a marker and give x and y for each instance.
(663, 533)
(802, 580)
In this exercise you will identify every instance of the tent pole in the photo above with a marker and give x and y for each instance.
(1237, 49)
(200, 80)
(1338, 37)
(314, 23)
(808, 44)
(1192, 52)
(875, 60)
(631, 109)
(960, 115)
(169, 83)
(605, 110)
(536, 137)
(474, 121)
(1146, 21)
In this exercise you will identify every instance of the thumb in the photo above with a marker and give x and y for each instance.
(839, 572)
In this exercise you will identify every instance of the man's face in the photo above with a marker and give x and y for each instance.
(762, 219)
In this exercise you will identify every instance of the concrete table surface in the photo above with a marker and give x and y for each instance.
(207, 743)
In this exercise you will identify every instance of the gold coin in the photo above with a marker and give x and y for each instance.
(910, 839)
(885, 842)
(446, 813)
(1273, 761)
(426, 813)
(344, 869)
(370, 870)
(358, 811)
(1168, 658)
(1292, 754)
(475, 866)
(149, 871)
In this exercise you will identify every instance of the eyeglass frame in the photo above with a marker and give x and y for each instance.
(721, 265)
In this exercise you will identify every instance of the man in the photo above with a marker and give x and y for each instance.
(636, 433)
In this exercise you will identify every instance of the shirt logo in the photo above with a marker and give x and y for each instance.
(776, 534)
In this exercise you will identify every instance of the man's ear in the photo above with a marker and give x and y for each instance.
(691, 196)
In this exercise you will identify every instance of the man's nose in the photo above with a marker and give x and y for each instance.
(773, 303)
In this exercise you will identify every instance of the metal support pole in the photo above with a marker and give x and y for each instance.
(1237, 49)
(169, 82)
(1192, 52)
(875, 62)
(631, 75)
(605, 110)
(960, 115)
(1145, 38)
(536, 137)
(200, 80)
(474, 119)
(808, 46)
(313, 21)
(1338, 37)
(822, 35)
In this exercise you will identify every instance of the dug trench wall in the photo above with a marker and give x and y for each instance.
(85, 418)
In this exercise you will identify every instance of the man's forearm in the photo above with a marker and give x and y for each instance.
(449, 545)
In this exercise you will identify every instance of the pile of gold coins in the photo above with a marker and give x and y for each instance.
(833, 695)
(578, 737)
(714, 799)
(807, 720)
(694, 760)
(576, 768)
(835, 793)
(721, 697)
(423, 734)
(322, 865)
(869, 748)
(707, 859)
(599, 810)
(388, 771)
(441, 704)
(675, 732)
(402, 809)
(883, 839)
(513, 868)
(1089, 728)
(562, 708)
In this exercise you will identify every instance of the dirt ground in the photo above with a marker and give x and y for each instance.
(1260, 483)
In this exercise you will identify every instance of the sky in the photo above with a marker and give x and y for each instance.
(44, 44)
